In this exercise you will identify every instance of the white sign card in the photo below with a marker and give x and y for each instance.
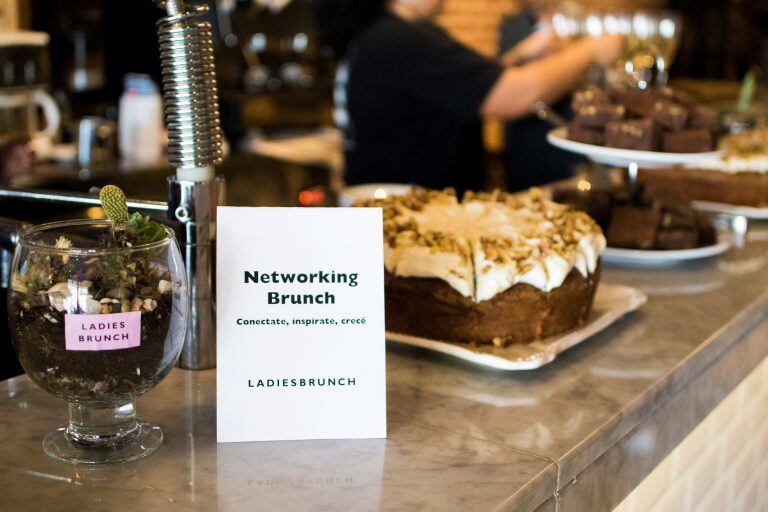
(300, 324)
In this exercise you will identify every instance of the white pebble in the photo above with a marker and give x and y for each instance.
(149, 304)
(61, 288)
(92, 306)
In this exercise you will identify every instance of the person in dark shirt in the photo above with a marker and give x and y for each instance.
(525, 36)
(410, 98)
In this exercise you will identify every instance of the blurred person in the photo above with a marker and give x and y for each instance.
(525, 36)
(410, 98)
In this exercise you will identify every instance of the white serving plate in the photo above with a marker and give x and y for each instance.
(636, 257)
(623, 157)
(749, 212)
(611, 303)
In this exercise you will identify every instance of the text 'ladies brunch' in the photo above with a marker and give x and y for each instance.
(319, 277)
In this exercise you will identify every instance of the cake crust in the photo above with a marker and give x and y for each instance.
(430, 308)
(743, 189)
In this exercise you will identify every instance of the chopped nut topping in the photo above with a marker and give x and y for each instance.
(486, 228)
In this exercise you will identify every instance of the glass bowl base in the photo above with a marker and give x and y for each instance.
(146, 441)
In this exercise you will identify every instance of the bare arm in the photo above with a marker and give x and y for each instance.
(547, 79)
(540, 44)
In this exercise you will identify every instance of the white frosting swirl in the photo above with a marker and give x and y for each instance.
(484, 246)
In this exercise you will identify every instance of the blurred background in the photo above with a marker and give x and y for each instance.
(276, 81)
(275, 78)
(80, 103)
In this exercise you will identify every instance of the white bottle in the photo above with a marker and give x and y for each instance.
(141, 134)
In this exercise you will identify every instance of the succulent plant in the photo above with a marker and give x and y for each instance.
(146, 230)
(142, 228)
(114, 204)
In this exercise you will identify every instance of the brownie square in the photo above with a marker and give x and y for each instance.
(666, 199)
(676, 95)
(704, 117)
(639, 134)
(580, 133)
(633, 227)
(677, 239)
(637, 102)
(589, 96)
(688, 141)
(678, 220)
(598, 115)
(707, 232)
(596, 202)
(670, 115)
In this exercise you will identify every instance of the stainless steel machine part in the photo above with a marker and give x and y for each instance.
(193, 205)
(190, 90)
(194, 148)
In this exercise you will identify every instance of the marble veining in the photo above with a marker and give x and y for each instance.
(416, 468)
(460, 437)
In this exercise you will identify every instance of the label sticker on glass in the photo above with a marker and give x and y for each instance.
(103, 332)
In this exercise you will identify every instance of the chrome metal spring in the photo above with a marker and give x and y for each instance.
(189, 86)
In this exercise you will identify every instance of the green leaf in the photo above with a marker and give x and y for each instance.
(747, 93)
(145, 229)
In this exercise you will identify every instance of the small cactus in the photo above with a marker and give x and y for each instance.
(114, 204)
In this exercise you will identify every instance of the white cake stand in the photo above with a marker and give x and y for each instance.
(628, 159)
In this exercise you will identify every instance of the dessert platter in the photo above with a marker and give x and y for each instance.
(503, 280)
(648, 226)
(618, 157)
(626, 127)
(734, 184)
(639, 257)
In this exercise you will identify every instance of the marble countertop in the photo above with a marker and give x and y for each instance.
(460, 437)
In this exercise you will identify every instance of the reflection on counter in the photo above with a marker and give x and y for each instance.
(279, 477)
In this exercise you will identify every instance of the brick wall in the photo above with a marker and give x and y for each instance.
(9, 15)
(721, 466)
(476, 22)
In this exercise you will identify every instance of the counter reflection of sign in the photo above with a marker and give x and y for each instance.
(300, 324)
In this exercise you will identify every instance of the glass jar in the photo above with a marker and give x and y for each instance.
(97, 326)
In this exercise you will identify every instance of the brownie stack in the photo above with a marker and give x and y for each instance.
(652, 219)
(658, 119)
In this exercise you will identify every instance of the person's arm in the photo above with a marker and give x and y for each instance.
(540, 44)
(548, 79)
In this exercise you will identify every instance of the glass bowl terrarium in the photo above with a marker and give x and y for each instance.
(98, 313)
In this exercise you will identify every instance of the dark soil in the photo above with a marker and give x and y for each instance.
(94, 377)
